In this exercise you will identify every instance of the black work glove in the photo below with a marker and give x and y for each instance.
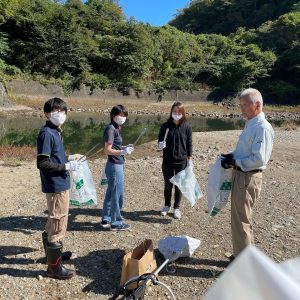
(229, 155)
(227, 161)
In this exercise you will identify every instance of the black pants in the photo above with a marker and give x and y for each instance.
(169, 170)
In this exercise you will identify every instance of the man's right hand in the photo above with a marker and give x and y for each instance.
(225, 165)
(227, 161)
(162, 145)
(72, 165)
(226, 156)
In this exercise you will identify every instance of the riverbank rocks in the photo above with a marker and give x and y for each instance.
(147, 111)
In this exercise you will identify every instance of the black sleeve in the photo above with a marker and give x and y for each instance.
(189, 141)
(162, 132)
(44, 163)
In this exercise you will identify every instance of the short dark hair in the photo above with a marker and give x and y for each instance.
(181, 110)
(117, 110)
(55, 103)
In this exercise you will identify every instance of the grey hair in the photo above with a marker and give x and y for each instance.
(252, 95)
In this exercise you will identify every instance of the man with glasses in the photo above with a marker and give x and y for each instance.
(248, 161)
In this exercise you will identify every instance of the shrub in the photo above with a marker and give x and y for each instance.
(9, 154)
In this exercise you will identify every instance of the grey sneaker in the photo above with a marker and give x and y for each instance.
(121, 227)
(177, 213)
(165, 211)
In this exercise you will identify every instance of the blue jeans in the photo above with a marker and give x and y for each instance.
(113, 201)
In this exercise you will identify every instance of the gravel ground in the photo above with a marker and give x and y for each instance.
(98, 253)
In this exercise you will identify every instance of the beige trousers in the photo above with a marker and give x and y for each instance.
(58, 208)
(246, 188)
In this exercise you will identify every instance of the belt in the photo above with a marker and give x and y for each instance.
(252, 171)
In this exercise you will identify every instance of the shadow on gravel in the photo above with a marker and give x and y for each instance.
(74, 225)
(24, 224)
(147, 216)
(204, 261)
(20, 273)
(29, 224)
(180, 270)
(103, 267)
(85, 211)
(18, 257)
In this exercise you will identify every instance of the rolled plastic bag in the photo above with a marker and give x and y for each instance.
(187, 183)
(173, 247)
(83, 191)
(103, 182)
(218, 188)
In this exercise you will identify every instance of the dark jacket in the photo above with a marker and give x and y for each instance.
(51, 160)
(178, 142)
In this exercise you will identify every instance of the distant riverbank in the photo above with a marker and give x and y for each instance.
(220, 110)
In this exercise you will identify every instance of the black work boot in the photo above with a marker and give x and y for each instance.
(65, 255)
(55, 267)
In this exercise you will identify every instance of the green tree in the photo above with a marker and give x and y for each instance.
(126, 54)
(176, 55)
(229, 66)
(102, 15)
(4, 47)
(280, 34)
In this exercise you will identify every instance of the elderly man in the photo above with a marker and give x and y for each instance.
(248, 160)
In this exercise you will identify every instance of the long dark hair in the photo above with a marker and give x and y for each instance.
(181, 110)
(117, 110)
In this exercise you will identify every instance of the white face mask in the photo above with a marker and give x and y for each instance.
(176, 117)
(120, 120)
(58, 118)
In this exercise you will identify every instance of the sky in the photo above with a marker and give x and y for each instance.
(154, 12)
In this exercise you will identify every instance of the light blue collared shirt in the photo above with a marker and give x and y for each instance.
(255, 144)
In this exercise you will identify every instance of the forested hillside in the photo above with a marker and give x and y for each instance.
(72, 42)
(272, 25)
(226, 16)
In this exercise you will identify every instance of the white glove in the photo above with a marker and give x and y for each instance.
(190, 163)
(72, 165)
(127, 150)
(162, 145)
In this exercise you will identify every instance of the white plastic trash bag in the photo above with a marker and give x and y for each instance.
(83, 191)
(254, 276)
(103, 182)
(218, 188)
(173, 247)
(187, 183)
(292, 267)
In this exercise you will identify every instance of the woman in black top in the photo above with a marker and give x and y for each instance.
(175, 139)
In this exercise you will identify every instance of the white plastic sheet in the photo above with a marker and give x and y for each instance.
(188, 185)
(218, 188)
(292, 268)
(173, 247)
(254, 276)
(83, 191)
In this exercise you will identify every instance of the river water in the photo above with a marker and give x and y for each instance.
(84, 130)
